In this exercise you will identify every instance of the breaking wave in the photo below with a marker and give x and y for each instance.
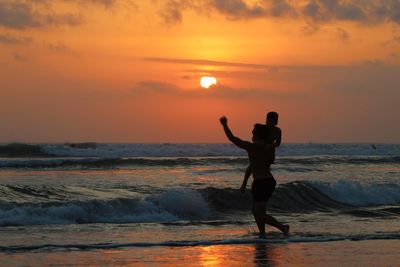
(173, 205)
(29, 205)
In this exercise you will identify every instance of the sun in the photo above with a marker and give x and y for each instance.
(207, 81)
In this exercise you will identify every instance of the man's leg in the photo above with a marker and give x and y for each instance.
(258, 207)
(260, 211)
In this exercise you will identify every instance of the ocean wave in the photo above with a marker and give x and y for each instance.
(291, 164)
(27, 205)
(290, 197)
(22, 150)
(101, 163)
(339, 159)
(358, 194)
(104, 150)
(169, 206)
(205, 150)
(304, 196)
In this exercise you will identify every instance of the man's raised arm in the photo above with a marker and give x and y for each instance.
(237, 141)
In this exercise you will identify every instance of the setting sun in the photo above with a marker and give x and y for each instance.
(206, 81)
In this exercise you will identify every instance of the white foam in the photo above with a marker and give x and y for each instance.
(183, 203)
(359, 194)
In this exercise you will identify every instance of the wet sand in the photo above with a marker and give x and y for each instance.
(335, 253)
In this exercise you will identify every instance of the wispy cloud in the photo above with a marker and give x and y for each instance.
(216, 91)
(20, 57)
(262, 67)
(343, 35)
(310, 29)
(392, 42)
(210, 63)
(57, 47)
(15, 40)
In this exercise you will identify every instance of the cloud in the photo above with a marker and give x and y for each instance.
(149, 88)
(27, 14)
(317, 11)
(211, 63)
(394, 41)
(342, 35)
(24, 14)
(327, 10)
(394, 58)
(310, 29)
(172, 12)
(57, 47)
(106, 3)
(280, 8)
(237, 8)
(20, 57)
(15, 40)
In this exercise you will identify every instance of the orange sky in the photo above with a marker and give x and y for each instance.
(129, 70)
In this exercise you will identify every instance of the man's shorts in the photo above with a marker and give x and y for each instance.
(262, 189)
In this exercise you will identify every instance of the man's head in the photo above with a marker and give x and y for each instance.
(259, 132)
(272, 118)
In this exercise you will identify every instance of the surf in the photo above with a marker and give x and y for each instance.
(37, 205)
(296, 238)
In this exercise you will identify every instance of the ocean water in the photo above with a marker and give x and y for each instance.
(180, 205)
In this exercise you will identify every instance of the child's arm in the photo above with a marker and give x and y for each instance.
(245, 179)
(278, 139)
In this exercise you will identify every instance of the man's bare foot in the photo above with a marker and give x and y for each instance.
(285, 229)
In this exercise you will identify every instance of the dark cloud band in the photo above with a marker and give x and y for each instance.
(367, 12)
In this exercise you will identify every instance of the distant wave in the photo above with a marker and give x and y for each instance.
(22, 150)
(104, 150)
(340, 159)
(90, 163)
(294, 238)
(302, 164)
(27, 205)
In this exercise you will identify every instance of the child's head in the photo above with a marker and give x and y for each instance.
(272, 118)
(259, 132)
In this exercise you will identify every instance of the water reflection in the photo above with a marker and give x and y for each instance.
(211, 256)
(265, 255)
(241, 255)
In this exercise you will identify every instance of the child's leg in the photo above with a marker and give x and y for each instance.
(245, 179)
